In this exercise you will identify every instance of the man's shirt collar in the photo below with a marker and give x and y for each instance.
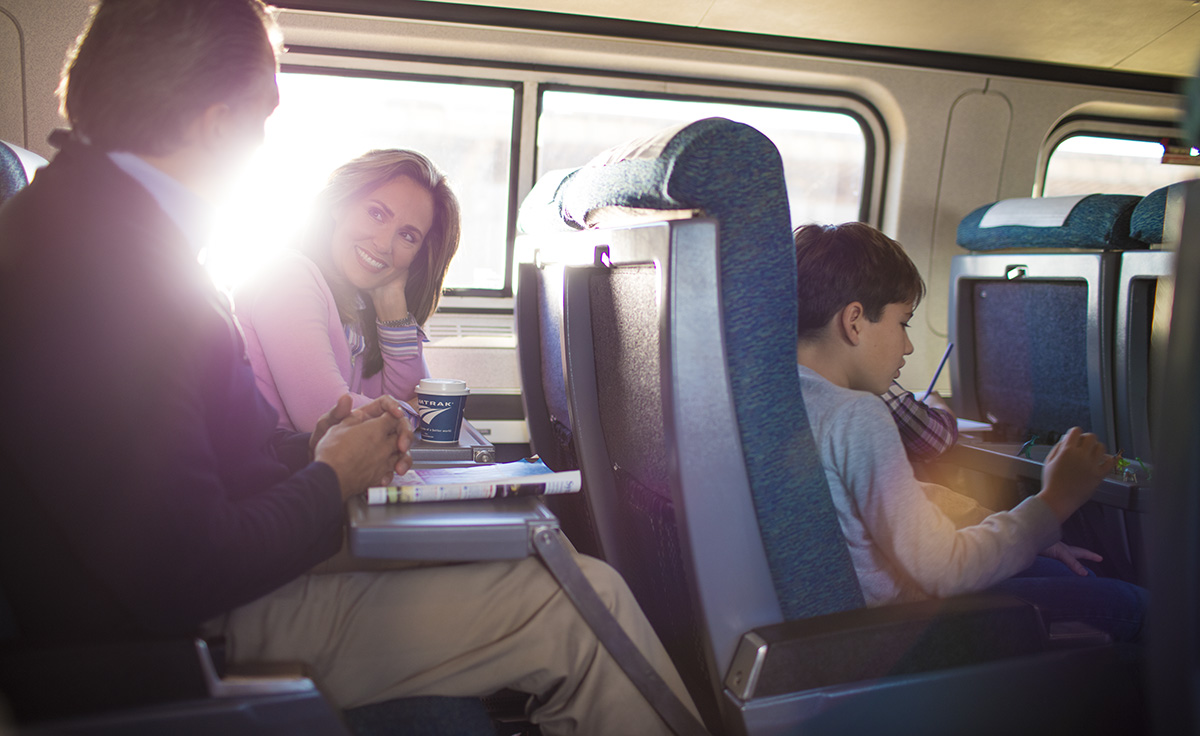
(184, 207)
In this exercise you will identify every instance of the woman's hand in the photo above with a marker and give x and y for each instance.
(389, 299)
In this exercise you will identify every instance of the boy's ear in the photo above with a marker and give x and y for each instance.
(850, 321)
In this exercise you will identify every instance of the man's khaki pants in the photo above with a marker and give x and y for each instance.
(459, 630)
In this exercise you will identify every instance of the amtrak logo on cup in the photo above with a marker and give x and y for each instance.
(432, 409)
(440, 402)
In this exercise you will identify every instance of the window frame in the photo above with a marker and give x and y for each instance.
(868, 183)
(530, 80)
(1095, 126)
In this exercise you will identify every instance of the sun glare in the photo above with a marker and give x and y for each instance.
(323, 121)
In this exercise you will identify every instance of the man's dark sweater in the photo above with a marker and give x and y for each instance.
(143, 485)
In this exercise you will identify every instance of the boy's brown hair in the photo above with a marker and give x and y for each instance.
(851, 262)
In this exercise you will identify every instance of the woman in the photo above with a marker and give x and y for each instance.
(342, 313)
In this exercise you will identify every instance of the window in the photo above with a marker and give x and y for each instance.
(324, 120)
(824, 153)
(1086, 164)
(477, 125)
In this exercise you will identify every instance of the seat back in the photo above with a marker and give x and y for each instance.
(1144, 290)
(1033, 327)
(12, 173)
(1174, 635)
(16, 165)
(685, 400)
(1033, 337)
(539, 314)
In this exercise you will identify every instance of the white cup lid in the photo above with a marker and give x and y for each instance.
(443, 387)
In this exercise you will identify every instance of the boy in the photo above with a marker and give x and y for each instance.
(858, 290)
(928, 428)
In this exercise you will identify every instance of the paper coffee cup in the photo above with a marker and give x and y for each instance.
(440, 402)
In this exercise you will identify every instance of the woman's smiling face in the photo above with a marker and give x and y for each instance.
(377, 236)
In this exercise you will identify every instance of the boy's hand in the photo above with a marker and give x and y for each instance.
(1070, 556)
(935, 401)
(1073, 469)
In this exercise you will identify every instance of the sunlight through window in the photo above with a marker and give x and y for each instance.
(1085, 164)
(324, 121)
(824, 153)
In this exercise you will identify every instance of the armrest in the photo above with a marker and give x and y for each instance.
(868, 643)
(462, 531)
(68, 680)
(64, 681)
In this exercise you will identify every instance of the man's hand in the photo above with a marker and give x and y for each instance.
(364, 451)
(1070, 556)
(340, 411)
(1073, 469)
(384, 406)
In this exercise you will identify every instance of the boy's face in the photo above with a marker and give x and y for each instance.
(881, 349)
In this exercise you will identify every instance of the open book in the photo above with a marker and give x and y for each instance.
(529, 477)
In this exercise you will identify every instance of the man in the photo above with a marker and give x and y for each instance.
(145, 489)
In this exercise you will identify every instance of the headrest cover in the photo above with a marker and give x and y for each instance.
(1149, 217)
(1096, 221)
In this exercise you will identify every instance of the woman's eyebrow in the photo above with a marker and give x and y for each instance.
(385, 208)
(414, 229)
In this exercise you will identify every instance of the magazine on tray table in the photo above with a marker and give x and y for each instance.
(529, 477)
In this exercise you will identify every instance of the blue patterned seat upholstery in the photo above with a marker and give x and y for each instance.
(1150, 215)
(12, 171)
(1097, 221)
(733, 173)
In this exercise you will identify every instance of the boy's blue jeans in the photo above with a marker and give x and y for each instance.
(1110, 605)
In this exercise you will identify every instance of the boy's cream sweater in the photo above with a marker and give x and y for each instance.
(903, 544)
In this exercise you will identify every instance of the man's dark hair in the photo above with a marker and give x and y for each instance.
(851, 262)
(143, 69)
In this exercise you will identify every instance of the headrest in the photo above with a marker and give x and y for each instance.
(17, 167)
(627, 183)
(1095, 221)
(12, 172)
(1150, 215)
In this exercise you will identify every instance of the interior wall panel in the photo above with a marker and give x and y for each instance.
(972, 167)
(12, 102)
